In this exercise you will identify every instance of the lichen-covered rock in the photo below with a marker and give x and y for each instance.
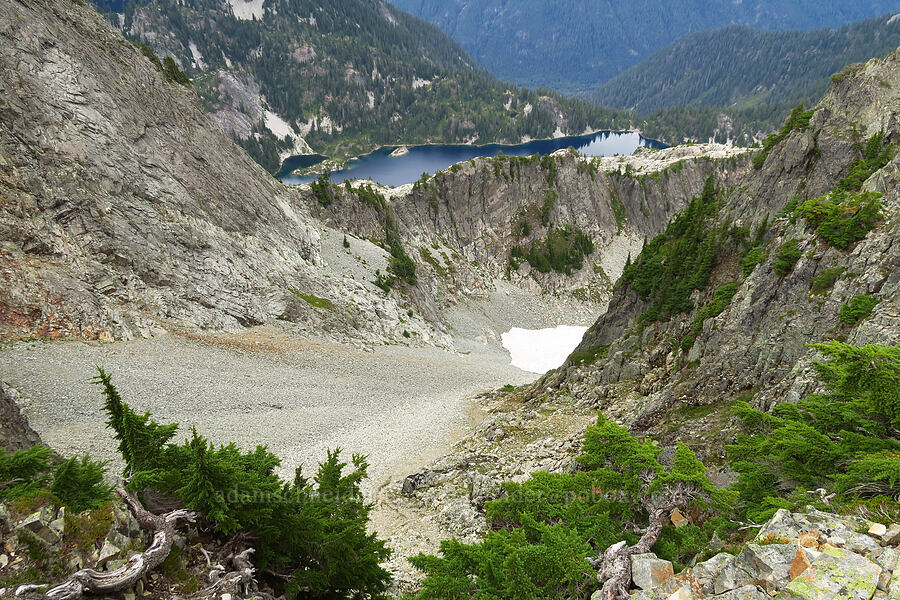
(746, 592)
(836, 575)
(649, 571)
(757, 564)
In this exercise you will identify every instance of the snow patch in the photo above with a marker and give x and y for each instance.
(539, 350)
(894, 19)
(246, 10)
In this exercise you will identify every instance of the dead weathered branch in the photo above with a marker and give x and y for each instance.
(90, 581)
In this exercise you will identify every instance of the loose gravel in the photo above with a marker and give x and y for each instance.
(400, 406)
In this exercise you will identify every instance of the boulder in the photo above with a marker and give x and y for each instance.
(886, 558)
(648, 571)
(836, 574)
(768, 565)
(892, 535)
(705, 573)
(38, 524)
(877, 530)
(108, 553)
(678, 519)
(746, 592)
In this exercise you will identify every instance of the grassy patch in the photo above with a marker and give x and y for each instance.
(314, 300)
(589, 356)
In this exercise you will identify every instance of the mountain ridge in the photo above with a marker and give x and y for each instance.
(738, 66)
(572, 46)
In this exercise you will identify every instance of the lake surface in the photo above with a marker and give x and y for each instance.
(385, 169)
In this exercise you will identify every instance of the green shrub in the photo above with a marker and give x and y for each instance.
(797, 121)
(29, 475)
(542, 530)
(875, 155)
(562, 251)
(787, 256)
(857, 309)
(754, 256)
(314, 530)
(550, 197)
(844, 440)
(24, 472)
(842, 218)
(173, 73)
(825, 280)
(719, 302)
(80, 485)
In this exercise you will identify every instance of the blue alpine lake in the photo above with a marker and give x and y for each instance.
(385, 169)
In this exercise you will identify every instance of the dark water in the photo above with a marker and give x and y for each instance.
(382, 168)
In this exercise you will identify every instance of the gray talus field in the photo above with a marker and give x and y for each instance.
(401, 406)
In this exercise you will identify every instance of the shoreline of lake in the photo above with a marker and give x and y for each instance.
(384, 166)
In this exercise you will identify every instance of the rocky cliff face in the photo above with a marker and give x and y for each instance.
(462, 224)
(757, 348)
(123, 212)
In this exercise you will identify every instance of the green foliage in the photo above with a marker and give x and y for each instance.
(754, 256)
(825, 280)
(843, 440)
(563, 251)
(30, 475)
(842, 218)
(719, 302)
(545, 528)
(167, 67)
(314, 530)
(80, 484)
(173, 73)
(857, 309)
(786, 257)
(321, 189)
(679, 260)
(324, 303)
(24, 472)
(798, 120)
(875, 155)
(346, 242)
(550, 197)
(588, 356)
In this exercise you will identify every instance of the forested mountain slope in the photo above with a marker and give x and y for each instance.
(725, 303)
(741, 67)
(344, 77)
(573, 46)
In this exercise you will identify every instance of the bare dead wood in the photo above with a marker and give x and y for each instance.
(614, 574)
(239, 582)
(91, 581)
